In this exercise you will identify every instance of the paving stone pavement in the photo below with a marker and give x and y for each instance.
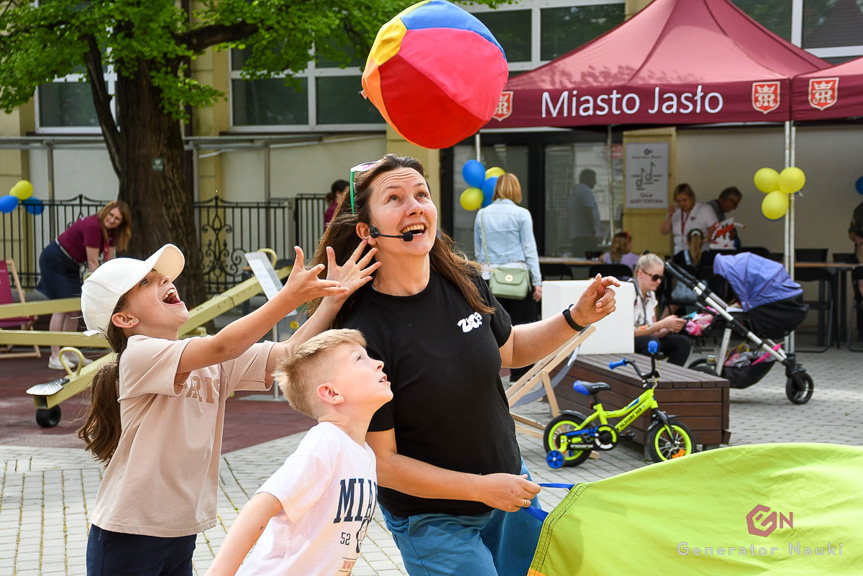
(46, 493)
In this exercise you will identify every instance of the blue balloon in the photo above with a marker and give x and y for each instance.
(473, 173)
(34, 206)
(859, 185)
(488, 190)
(8, 203)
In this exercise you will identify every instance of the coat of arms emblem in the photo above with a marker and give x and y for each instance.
(823, 92)
(504, 106)
(765, 96)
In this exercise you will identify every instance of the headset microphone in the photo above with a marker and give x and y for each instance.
(407, 236)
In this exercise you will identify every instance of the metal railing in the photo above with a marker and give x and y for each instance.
(227, 231)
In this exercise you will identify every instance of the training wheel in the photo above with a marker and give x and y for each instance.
(48, 417)
(555, 459)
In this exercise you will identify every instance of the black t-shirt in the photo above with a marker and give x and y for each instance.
(449, 408)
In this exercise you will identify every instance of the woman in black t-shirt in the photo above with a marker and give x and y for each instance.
(449, 468)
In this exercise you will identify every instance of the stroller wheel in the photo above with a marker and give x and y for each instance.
(799, 387)
(701, 365)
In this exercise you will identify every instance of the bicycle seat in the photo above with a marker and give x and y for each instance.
(587, 388)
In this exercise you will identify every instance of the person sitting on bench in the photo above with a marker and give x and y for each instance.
(648, 276)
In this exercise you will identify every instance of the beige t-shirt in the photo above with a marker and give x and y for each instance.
(163, 478)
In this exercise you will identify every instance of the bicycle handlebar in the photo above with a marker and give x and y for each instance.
(617, 364)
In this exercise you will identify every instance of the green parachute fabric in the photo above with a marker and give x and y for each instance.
(789, 509)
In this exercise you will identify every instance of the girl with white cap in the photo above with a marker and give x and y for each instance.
(157, 411)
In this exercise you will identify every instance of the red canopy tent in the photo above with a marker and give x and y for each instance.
(675, 62)
(835, 92)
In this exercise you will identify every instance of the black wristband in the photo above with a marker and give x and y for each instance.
(572, 323)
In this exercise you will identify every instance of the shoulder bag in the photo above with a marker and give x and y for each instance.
(505, 282)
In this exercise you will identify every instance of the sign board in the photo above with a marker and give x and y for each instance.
(265, 273)
(646, 182)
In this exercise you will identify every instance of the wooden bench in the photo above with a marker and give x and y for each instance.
(699, 400)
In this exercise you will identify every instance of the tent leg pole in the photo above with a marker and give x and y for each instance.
(790, 153)
(612, 212)
(476, 142)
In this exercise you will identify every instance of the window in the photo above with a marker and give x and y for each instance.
(66, 104)
(775, 15)
(269, 102)
(511, 29)
(328, 96)
(565, 29)
(832, 23)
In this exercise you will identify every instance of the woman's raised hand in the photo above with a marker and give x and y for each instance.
(306, 285)
(354, 273)
(596, 302)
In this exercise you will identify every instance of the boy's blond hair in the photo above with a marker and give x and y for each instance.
(299, 375)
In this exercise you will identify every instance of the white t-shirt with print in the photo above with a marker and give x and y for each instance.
(328, 490)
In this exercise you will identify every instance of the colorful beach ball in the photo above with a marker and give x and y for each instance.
(435, 73)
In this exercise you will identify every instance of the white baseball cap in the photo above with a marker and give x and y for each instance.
(107, 284)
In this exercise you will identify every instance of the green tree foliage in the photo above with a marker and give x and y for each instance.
(150, 45)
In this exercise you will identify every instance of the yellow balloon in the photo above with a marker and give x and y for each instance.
(22, 190)
(471, 199)
(791, 180)
(775, 205)
(494, 171)
(767, 180)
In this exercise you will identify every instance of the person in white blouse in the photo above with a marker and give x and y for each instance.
(686, 215)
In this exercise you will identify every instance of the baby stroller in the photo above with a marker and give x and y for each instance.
(770, 307)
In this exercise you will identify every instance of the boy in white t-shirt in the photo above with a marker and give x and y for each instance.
(311, 516)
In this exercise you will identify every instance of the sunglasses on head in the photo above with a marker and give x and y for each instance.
(356, 169)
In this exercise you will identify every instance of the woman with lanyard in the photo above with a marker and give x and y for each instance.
(649, 274)
(81, 243)
(685, 216)
(450, 473)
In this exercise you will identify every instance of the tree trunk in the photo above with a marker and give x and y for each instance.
(153, 179)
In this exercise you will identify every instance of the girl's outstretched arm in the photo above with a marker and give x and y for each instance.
(235, 338)
(355, 273)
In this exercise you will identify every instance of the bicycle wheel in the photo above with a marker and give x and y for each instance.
(672, 441)
(799, 387)
(561, 425)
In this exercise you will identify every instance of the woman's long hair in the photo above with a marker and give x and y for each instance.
(695, 242)
(341, 235)
(124, 230)
(101, 429)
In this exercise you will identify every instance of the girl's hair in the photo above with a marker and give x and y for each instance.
(646, 261)
(508, 187)
(618, 246)
(341, 235)
(695, 241)
(684, 189)
(101, 429)
(124, 231)
(309, 365)
(335, 188)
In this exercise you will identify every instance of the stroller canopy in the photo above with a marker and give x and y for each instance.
(756, 280)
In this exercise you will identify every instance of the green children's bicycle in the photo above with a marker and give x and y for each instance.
(569, 438)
